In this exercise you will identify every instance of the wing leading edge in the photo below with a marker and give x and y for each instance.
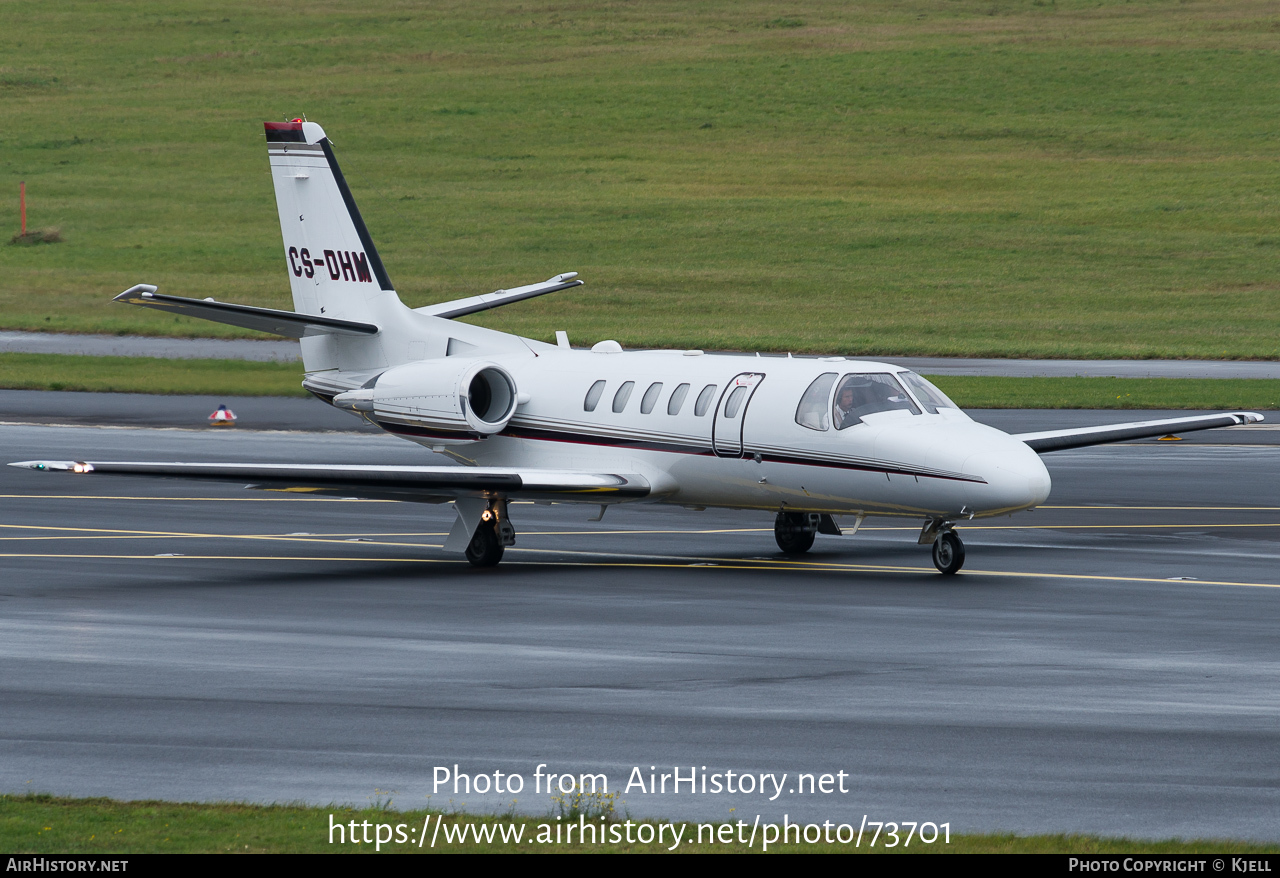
(498, 298)
(413, 483)
(1081, 437)
(286, 323)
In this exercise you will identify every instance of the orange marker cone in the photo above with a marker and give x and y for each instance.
(223, 417)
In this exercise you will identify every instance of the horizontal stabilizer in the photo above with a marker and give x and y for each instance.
(463, 307)
(1080, 437)
(286, 323)
(422, 483)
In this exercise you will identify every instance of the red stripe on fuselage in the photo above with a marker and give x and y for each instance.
(539, 435)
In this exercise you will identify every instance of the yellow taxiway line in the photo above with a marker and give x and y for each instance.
(1172, 508)
(726, 564)
(299, 498)
(86, 533)
(293, 498)
(79, 533)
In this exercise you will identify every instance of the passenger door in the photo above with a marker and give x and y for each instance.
(731, 413)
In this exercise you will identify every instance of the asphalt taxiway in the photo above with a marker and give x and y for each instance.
(1104, 664)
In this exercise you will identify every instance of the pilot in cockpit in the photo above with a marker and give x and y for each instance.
(852, 394)
(862, 395)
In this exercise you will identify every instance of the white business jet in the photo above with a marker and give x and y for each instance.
(816, 441)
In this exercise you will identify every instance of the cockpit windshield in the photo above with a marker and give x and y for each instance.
(930, 397)
(859, 395)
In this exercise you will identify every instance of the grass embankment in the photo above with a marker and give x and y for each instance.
(50, 825)
(240, 378)
(149, 375)
(1110, 393)
(920, 177)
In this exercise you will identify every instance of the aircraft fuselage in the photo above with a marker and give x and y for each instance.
(703, 450)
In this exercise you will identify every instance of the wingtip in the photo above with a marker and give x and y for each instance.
(75, 466)
(137, 291)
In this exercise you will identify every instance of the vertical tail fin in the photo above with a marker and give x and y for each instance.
(334, 268)
(335, 271)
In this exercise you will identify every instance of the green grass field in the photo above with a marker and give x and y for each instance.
(149, 375)
(990, 177)
(1110, 393)
(49, 825)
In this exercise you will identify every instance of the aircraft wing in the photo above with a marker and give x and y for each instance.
(1079, 437)
(287, 323)
(427, 484)
(475, 304)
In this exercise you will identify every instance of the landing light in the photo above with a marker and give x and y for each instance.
(78, 467)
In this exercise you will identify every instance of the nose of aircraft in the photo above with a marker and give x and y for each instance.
(1016, 476)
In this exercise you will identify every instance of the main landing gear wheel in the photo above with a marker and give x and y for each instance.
(791, 531)
(948, 552)
(485, 548)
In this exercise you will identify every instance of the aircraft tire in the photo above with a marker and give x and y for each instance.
(948, 552)
(790, 538)
(485, 549)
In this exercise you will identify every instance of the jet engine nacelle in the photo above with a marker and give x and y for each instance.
(450, 400)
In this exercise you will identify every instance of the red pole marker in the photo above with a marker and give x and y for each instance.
(223, 417)
(22, 206)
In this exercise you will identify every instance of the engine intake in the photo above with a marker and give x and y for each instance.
(445, 401)
(490, 400)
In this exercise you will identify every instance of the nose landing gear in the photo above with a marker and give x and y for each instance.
(948, 551)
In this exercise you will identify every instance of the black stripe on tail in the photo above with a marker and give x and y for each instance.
(375, 261)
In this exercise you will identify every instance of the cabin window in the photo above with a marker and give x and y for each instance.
(735, 402)
(593, 397)
(650, 397)
(677, 399)
(620, 398)
(865, 394)
(926, 394)
(704, 400)
(812, 411)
